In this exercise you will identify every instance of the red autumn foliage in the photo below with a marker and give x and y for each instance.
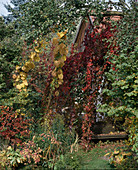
(91, 65)
(83, 78)
(13, 126)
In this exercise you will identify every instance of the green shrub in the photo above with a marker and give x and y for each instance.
(10, 158)
(123, 76)
(54, 141)
(69, 161)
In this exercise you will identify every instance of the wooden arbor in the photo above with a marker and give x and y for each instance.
(89, 22)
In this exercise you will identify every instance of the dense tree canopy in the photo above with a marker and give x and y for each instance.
(50, 91)
(40, 17)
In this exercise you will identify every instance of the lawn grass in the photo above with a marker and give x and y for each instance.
(96, 159)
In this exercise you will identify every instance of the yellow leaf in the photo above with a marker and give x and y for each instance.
(19, 86)
(2, 153)
(65, 31)
(116, 152)
(62, 49)
(37, 50)
(9, 148)
(127, 154)
(32, 55)
(60, 76)
(25, 68)
(55, 41)
(61, 34)
(57, 93)
(14, 164)
(56, 50)
(37, 59)
(22, 74)
(23, 78)
(56, 63)
(61, 61)
(106, 154)
(25, 90)
(64, 58)
(17, 78)
(25, 83)
(18, 67)
(18, 160)
(18, 110)
(119, 159)
(62, 46)
(111, 133)
(14, 76)
(54, 73)
(30, 65)
(22, 85)
(60, 82)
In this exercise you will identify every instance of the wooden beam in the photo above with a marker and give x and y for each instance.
(107, 136)
(113, 13)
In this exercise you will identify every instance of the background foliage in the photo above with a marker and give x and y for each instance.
(46, 80)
